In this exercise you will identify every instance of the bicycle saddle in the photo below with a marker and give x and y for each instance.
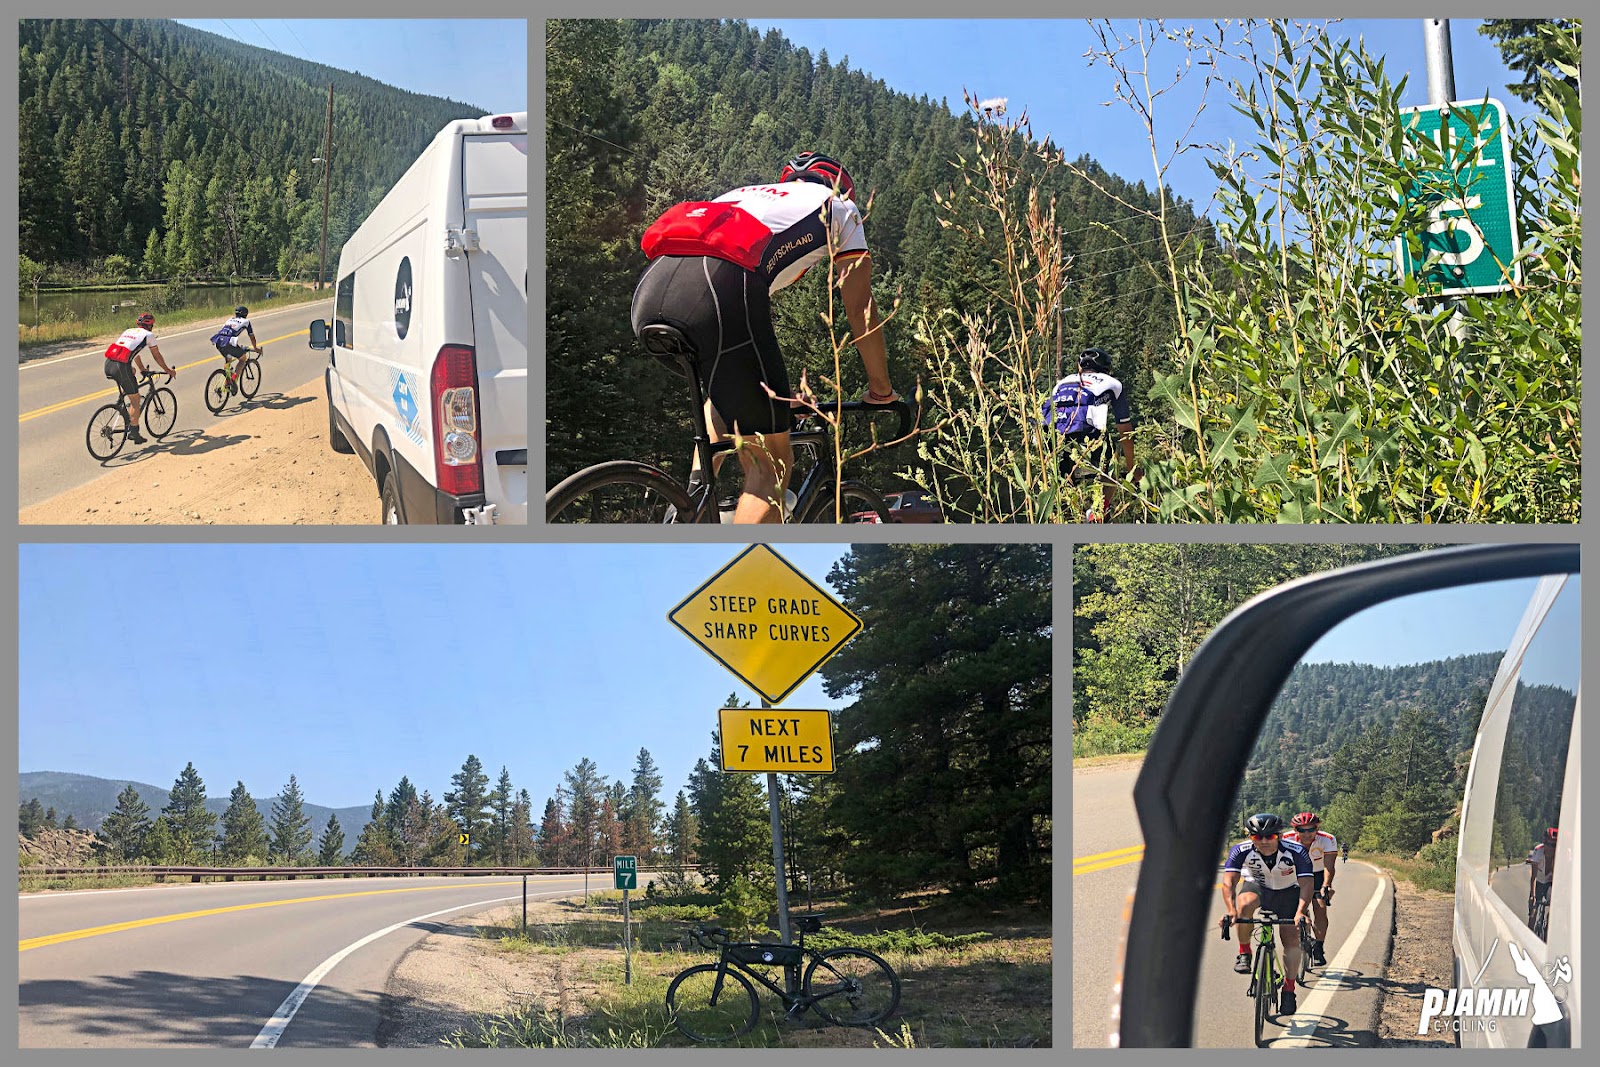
(670, 345)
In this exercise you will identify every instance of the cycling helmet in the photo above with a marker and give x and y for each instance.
(1306, 820)
(1550, 833)
(816, 167)
(147, 320)
(1095, 359)
(1264, 824)
(241, 311)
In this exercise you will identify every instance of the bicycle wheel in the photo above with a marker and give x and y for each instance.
(108, 431)
(852, 987)
(855, 499)
(1305, 952)
(619, 491)
(217, 391)
(708, 1010)
(1266, 989)
(161, 412)
(250, 378)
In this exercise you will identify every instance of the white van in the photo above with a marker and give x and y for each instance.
(1524, 780)
(427, 372)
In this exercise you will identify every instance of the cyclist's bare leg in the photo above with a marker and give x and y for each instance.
(1319, 918)
(134, 401)
(716, 429)
(767, 463)
(1291, 950)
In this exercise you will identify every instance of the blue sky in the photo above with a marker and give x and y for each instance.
(1454, 622)
(351, 665)
(1039, 65)
(483, 62)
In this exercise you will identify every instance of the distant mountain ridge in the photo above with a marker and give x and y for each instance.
(89, 800)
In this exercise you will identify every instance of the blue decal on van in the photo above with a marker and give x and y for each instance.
(405, 405)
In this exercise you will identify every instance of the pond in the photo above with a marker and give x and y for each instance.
(99, 303)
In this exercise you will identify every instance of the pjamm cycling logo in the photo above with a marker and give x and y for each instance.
(1478, 1010)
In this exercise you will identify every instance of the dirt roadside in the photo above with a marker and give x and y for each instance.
(269, 465)
(1420, 958)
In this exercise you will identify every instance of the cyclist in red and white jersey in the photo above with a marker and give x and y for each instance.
(1323, 848)
(123, 359)
(713, 268)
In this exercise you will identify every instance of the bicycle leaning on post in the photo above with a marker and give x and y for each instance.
(716, 1002)
(1265, 978)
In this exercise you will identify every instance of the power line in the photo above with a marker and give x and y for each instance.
(267, 35)
(296, 36)
(134, 52)
(233, 31)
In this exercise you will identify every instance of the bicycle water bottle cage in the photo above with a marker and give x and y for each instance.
(669, 345)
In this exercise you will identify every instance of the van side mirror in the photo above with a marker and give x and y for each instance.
(1198, 761)
(319, 334)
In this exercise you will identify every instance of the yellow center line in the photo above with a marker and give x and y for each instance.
(1107, 855)
(51, 409)
(96, 931)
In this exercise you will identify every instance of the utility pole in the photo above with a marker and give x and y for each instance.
(327, 168)
(777, 862)
(1441, 94)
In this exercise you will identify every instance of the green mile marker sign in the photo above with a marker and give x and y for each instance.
(1474, 216)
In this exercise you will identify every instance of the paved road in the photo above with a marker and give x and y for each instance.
(1337, 1010)
(57, 395)
(210, 965)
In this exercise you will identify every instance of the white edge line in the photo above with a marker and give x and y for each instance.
(270, 1033)
(1303, 1031)
(182, 333)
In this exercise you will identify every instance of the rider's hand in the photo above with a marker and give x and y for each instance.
(1327, 894)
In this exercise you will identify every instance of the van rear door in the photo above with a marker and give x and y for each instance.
(495, 204)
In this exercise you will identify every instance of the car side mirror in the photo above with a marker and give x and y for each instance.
(1200, 752)
(319, 334)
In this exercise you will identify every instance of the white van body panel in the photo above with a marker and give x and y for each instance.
(1485, 924)
(433, 266)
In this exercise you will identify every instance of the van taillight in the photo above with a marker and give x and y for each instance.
(502, 122)
(457, 456)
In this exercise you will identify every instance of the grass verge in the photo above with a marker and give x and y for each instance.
(110, 324)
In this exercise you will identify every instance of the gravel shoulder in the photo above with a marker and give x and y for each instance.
(1420, 957)
(268, 465)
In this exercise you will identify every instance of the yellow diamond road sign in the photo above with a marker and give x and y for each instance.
(781, 740)
(765, 621)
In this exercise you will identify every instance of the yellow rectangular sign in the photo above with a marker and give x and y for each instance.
(776, 739)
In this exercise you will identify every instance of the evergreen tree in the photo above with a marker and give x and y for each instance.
(734, 829)
(375, 844)
(401, 799)
(160, 844)
(30, 817)
(291, 826)
(554, 839)
(244, 831)
(467, 803)
(50, 818)
(522, 831)
(1531, 53)
(678, 836)
(189, 823)
(642, 813)
(70, 823)
(502, 803)
(122, 833)
(330, 846)
(584, 788)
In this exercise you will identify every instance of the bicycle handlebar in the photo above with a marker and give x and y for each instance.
(851, 407)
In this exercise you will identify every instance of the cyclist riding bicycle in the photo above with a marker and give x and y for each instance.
(1323, 848)
(227, 338)
(123, 360)
(713, 268)
(1272, 868)
(1077, 410)
(1542, 870)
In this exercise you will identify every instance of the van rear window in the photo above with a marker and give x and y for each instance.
(344, 306)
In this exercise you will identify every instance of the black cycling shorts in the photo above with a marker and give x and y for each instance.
(234, 351)
(1281, 902)
(1319, 875)
(1096, 458)
(122, 374)
(1541, 891)
(726, 312)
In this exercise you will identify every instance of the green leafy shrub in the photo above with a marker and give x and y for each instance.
(1098, 736)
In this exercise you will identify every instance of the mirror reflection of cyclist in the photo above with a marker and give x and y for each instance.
(1276, 876)
(124, 365)
(1077, 409)
(714, 266)
(1323, 849)
(1542, 870)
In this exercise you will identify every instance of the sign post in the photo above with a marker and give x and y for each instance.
(772, 627)
(625, 874)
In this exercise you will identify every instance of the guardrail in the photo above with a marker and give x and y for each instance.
(229, 874)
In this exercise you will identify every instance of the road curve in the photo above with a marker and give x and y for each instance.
(1337, 1010)
(209, 966)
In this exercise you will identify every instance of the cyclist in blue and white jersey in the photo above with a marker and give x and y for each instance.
(1277, 877)
(1077, 409)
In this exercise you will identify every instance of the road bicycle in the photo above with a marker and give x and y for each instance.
(713, 1002)
(244, 378)
(634, 492)
(1265, 978)
(108, 426)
